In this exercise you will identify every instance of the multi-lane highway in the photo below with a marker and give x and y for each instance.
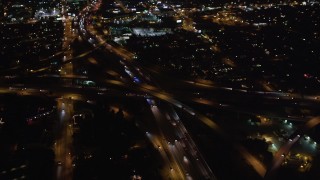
(149, 87)
(182, 158)
(180, 167)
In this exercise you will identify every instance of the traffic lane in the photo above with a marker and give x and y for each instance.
(172, 168)
(169, 99)
(165, 97)
(211, 104)
(228, 95)
(166, 131)
(170, 143)
(75, 93)
(154, 109)
(171, 139)
(191, 151)
(253, 103)
(270, 109)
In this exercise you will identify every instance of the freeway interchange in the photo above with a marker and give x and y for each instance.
(167, 132)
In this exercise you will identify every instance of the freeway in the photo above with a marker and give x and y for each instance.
(143, 83)
(189, 146)
(156, 92)
(174, 168)
(153, 90)
(178, 166)
(202, 118)
(213, 94)
(150, 91)
(62, 146)
(179, 151)
(150, 88)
